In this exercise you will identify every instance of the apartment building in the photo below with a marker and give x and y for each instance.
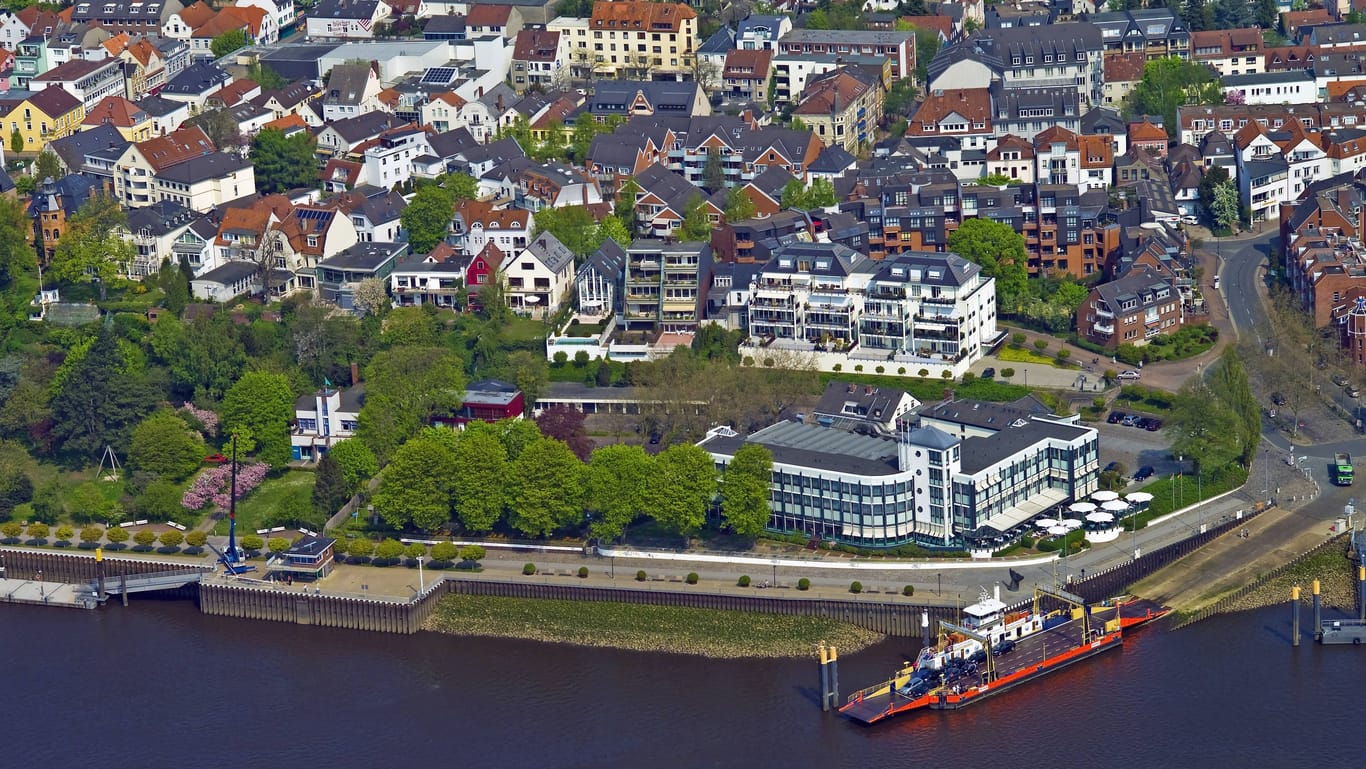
(642, 39)
(899, 47)
(842, 109)
(664, 285)
(1230, 51)
(1131, 310)
(1157, 33)
(1068, 55)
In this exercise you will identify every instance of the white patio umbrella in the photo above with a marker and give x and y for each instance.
(1046, 523)
(1058, 531)
(1082, 507)
(1139, 496)
(1101, 517)
(1115, 506)
(1071, 524)
(1104, 495)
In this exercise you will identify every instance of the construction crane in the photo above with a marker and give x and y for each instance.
(232, 558)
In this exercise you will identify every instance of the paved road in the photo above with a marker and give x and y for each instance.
(1242, 280)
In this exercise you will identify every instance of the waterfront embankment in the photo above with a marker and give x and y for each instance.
(644, 627)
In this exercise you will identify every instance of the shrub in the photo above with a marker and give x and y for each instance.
(879, 369)
(64, 533)
(901, 371)
(172, 539)
(1007, 373)
(1064, 354)
(195, 539)
(1041, 344)
(858, 367)
(856, 587)
(277, 545)
(641, 576)
(472, 553)
(561, 358)
(1026, 542)
(908, 590)
(922, 373)
(803, 584)
(145, 538)
(116, 537)
(12, 530)
(839, 367)
(749, 360)
(445, 552)
(1017, 339)
(769, 363)
(946, 375)
(691, 579)
(583, 572)
(253, 543)
(529, 569)
(969, 378)
(743, 581)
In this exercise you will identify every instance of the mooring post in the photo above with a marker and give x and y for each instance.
(123, 587)
(1295, 616)
(1361, 592)
(834, 679)
(99, 572)
(825, 677)
(1317, 630)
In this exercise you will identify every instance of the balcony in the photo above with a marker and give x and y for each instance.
(1108, 329)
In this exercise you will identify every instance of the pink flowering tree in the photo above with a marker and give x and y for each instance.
(214, 485)
(205, 417)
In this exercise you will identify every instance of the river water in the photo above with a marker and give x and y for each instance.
(159, 685)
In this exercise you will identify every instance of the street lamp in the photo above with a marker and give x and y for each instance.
(421, 581)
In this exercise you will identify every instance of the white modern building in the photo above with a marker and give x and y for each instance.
(921, 486)
(322, 418)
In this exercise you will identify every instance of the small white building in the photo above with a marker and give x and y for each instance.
(538, 279)
(346, 19)
(1294, 86)
(323, 418)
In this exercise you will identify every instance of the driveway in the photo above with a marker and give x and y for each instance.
(1134, 447)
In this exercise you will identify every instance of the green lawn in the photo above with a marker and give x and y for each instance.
(1009, 354)
(517, 329)
(254, 511)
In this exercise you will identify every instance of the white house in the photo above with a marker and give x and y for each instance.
(282, 12)
(346, 19)
(538, 279)
(225, 283)
(1294, 86)
(323, 418)
(352, 89)
(13, 30)
(390, 160)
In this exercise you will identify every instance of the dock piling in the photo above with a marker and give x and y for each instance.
(834, 679)
(825, 677)
(925, 628)
(1317, 630)
(1361, 592)
(1295, 616)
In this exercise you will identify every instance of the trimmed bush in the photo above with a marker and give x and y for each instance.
(1008, 373)
(879, 369)
(583, 572)
(1040, 344)
(641, 576)
(691, 578)
(803, 584)
(529, 569)
(908, 590)
(858, 367)
(743, 581)
(922, 373)
(856, 587)
(901, 371)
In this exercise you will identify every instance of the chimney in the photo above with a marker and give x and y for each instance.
(355, 373)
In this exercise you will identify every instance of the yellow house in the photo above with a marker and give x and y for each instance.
(47, 115)
(132, 122)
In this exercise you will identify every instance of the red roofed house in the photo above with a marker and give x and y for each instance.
(504, 20)
(1151, 138)
(1123, 71)
(132, 123)
(746, 75)
(963, 113)
(843, 110)
(539, 57)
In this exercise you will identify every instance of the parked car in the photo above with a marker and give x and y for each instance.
(1353, 391)
(988, 373)
(1130, 421)
(1130, 375)
(1340, 380)
(1115, 417)
(215, 459)
(1143, 422)
(1153, 425)
(1144, 473)
(1004, 647)
(1278, 399)
(1190, 220)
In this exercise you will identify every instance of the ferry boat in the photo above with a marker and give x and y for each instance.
(994, 650)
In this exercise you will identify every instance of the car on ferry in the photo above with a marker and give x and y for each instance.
(1005, 647)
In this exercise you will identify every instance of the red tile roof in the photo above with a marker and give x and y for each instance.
(1124, 67)
(637, 16)
(175, 147)
(974, 104)
(116, 111)
(488, 16)
(536, 45)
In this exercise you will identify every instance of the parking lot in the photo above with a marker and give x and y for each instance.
(1134, 447)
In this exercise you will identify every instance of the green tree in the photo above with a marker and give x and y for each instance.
(47, 165)
(1000, 251)
(740, 205)
(416, 550)
(116, 536)
(406, 386)
(616, 488)
(745, 490)
(574, 226)
(160, 501)
(330, 492)
(12, 530)
(91, 249)
(415, 488)
(98, 402)
(695, 225)
(92, 534)
(16, 256)
(445, 551)
(796, 196)
(277, 545)
(64, 533)
(171, 538)
(16, 140)
(1228, 382)
(683, 486)
(145, 538)
(713, 173)
(261, 404)
(472, 553)
(389, 550)
(1171, 82)
(195, 539)
(516, 435)
(264, 76)
(1202, 427)
(479, 479)
(228, 42)
(612, 228)
(427, 217)
(464, 186)
(164, 445)
(625, 206)
(252, 543)
(1214, 177)
(1226, 206)
(283, 162)
(545, 489)
(822, 193)
(360, 547)
(357, 463)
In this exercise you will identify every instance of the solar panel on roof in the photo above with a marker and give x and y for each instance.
(439, 75)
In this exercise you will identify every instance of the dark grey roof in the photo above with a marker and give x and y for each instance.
(160, 218)
(1141, 285)
(310, 544)
(614, 97)
(501, 149)
(450, 144)
(924, 268)
(229, 273)
(721, 42)
(344, 9)
(73, 149)
(667, 185)
(212, 166)
(1338, 34)
(997, 47)
(550, 251)
(490, 391)
(365, 256)
(762, 26)
(346, 84)
(824, 448)
(68, 194)
(832, 160)
(616, 150)
(445, 23)
(848, 400)
(932, 438)
(608, 261)
(155, 106)
(981, 414)
(1268, 78)
(1103, 120)
(366, 125)
(198, 78)
(830, 259)
(289, 96)
(979, 453)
